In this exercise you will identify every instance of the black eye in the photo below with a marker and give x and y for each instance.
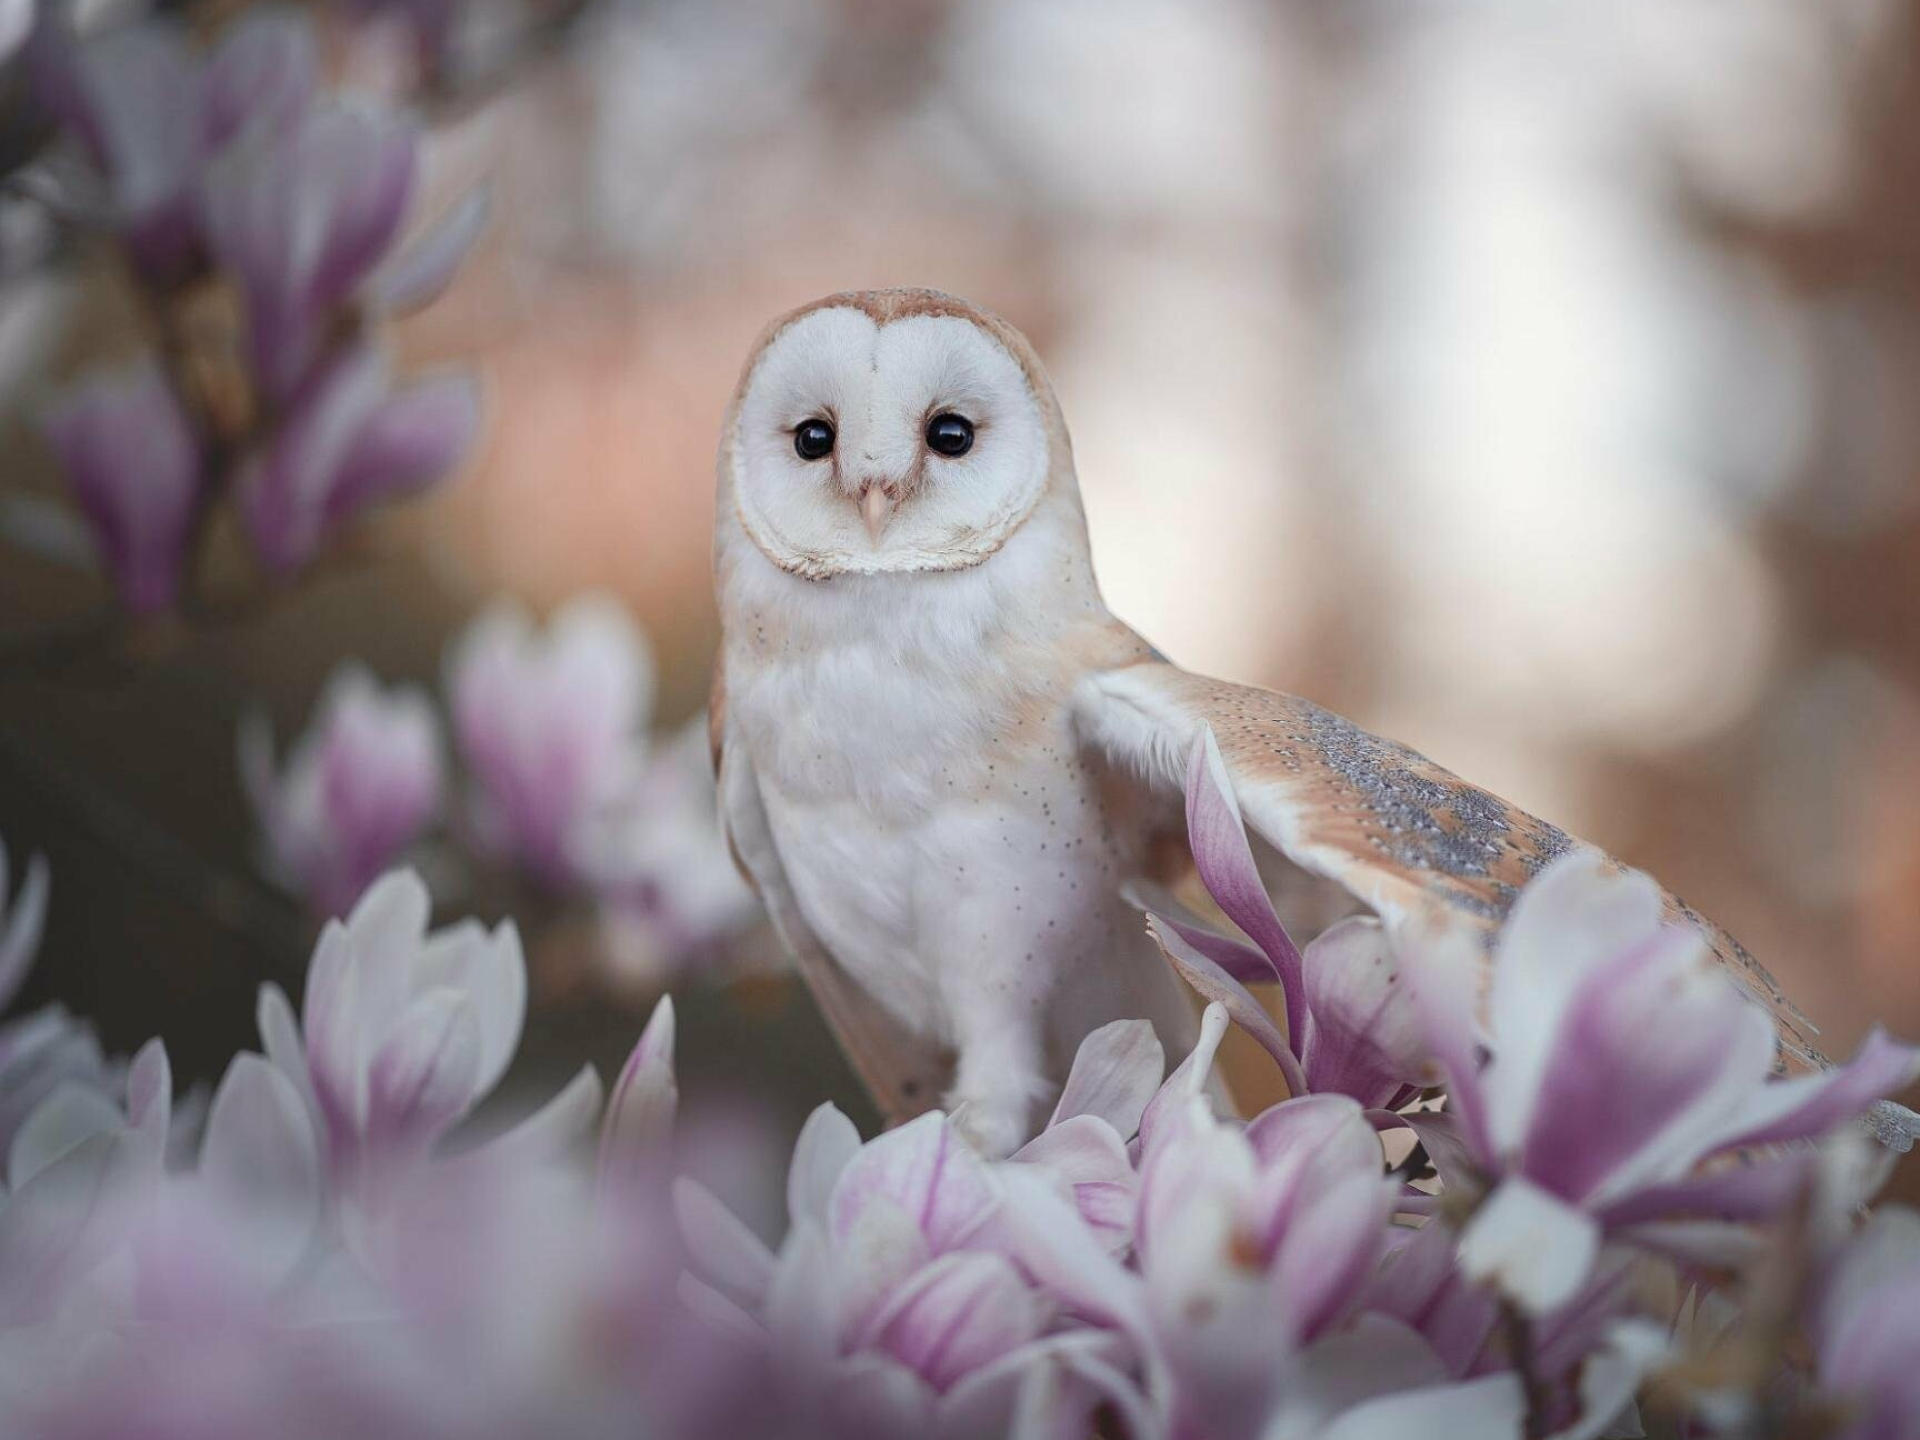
(813, 440)
(949, 435)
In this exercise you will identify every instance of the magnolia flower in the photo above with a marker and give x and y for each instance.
(401, 1032)
(350, 440)
(301, 220)
(550, 725)
(1624, 1074)
(1866, 1328)
(135, 468)
(890, 1309)
(360, 787)
(150, 116)
(1350, 1024)
(655, 856)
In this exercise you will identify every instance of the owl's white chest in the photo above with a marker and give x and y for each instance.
(940, 832)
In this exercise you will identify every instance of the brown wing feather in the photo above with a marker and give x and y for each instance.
(1394, 829)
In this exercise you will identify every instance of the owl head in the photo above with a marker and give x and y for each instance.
(889, 432)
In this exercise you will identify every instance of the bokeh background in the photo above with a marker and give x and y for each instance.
(1533, 382)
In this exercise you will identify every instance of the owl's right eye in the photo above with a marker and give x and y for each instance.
(813, 439)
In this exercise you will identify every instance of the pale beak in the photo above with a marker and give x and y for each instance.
(876, 508)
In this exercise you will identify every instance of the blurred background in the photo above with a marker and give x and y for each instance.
(1532, 382)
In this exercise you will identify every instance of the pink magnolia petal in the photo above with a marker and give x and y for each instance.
(1328, 1251)
(1115, 1073)
(924, 1168)
(1225, 861)
(150, 1091)
(640, 1113)
(426, 1072)
(1808, 1106)
(1363, 1035)
(959, 1313)
(1215, 985)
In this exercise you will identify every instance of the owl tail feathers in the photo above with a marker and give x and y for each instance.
(1894, 1126)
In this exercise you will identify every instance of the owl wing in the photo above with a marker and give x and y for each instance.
(1397, 832)
(904, 1074)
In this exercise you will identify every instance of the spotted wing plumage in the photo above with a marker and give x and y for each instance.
(1409, 839)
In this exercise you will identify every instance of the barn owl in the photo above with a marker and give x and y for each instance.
(940, 757)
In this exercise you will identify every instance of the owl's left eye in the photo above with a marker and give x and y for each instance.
(813, 440)
(949, 435)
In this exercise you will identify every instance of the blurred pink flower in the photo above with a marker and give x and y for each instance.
(358, 788)
(150, 115)
(1621, 1066)
(135, 468)
(551, 726)
(350, 440)
(1865, 1326)
(401, 1032)
(302, 219)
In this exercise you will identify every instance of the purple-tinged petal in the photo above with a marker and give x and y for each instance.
(302, 221)
(1806, 1107)
(1056, 1247)
(150, 1092)
(1575, 920)
(1115, 1073)
(132, 96)
(1363, 1035)
(827, 1144)
(411, 442)
(1655, 1053)
(1531, 1246)
(422, 272)
(263, 73)
(286, 492)
(639, 1121)
(425, 1075)
(1087, 1154)
(134, 465)
(725, 1253)
(1328, 1251)
(1758, 1190)
(924, 1168)
(1226, 865)
(24, 920)
(959, 1313)
(1420, 1283)
(1240, 960)
(1213, 984)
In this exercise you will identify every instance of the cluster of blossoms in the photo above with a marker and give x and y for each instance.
(1627, 1218)
(259, 219)
(565, 788)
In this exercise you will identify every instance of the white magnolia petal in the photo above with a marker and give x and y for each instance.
(828, 1141)
(74, 1113)
(725, 1252)
(260, 1163)
(1534, 1248)
(1115, 1072)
